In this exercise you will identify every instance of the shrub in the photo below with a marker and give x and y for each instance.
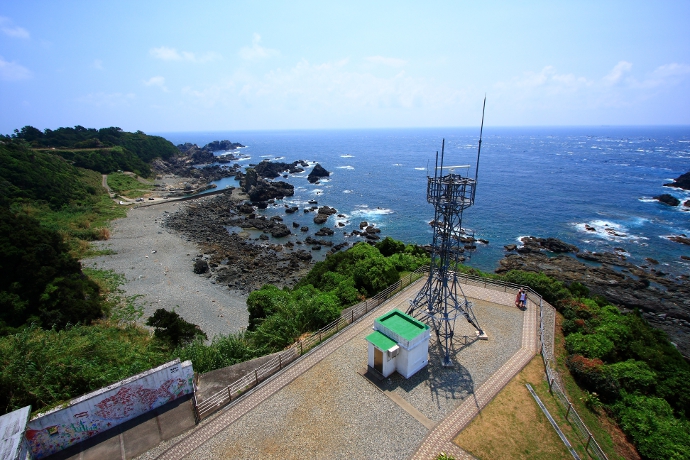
(172, 329)
(650, 423)
(589, 345)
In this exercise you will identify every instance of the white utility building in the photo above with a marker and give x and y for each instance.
(399, 343)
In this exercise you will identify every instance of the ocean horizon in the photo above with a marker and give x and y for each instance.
(588, 186)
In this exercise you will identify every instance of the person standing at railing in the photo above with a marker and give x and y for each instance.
(521, 299)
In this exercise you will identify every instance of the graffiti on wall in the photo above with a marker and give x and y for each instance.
(59, 430)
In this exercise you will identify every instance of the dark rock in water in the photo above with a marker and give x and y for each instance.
(272, 169)
(667, 199)
(327, 210)
(320, 219)
(651, 292)
(200, 266)
(589, 228)
(245, 208)
(651, 261)
(280, 231)
(317, 173)
(261, 204)
(263, 237)
(686, 204)
(483, 241)
(363, 225)
(682, 238)
(371, 230)
(533, 244)
(264, 191)
(604, 258)
(324, 231)
(372, 237)
(304, 229)
(510, 247)
(291, 210)
(682, 181)
(316, 247)
(295, 225)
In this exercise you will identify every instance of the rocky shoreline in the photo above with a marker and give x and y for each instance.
(663, 300)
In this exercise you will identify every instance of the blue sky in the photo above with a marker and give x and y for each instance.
(162, 66)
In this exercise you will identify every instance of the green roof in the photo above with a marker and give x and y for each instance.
(404, 325)
(380, 341)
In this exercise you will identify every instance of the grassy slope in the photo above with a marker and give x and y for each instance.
(513, 425)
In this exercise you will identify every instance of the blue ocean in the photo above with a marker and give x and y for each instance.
(544, 182)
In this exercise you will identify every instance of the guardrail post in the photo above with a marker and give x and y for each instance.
(256, 375)
(301, 352)
(570, 406)
(229, 394)
(589, 439)
(551, 389)
(319, 336)
(353, 316)
(280, 362)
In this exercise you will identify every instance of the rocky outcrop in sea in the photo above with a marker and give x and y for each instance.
(663, 300)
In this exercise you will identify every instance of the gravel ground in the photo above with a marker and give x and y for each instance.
(437, 390)
(157, 264)
(333, 412)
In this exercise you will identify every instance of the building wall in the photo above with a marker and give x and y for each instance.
(108, 407)
(411, 361)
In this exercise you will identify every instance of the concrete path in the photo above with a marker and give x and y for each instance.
(437, 440)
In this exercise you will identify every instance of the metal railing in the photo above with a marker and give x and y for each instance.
(352, 314)
(348, 316)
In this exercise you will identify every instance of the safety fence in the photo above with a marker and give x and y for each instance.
(547, 316)
(348, 316)
(352, 314)
(546, 345)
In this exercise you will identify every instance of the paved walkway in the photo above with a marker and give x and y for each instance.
(439, 439)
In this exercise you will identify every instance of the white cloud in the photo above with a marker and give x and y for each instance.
(11, 30)
(156, 81)
(328, 88)
(101, 99)
(617, 72)
(548, 79)
(256, 51)
(11, 71)
(391, 62)
(171, 54)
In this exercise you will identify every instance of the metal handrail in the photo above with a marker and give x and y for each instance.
(350, 315)
(354, 313)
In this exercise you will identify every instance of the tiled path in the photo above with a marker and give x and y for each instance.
(441, 438)
(438, 439)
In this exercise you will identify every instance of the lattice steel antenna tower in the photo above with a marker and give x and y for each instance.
(442, 300)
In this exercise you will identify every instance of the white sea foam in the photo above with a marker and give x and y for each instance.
(420, 169)
(266, 156)
(347, 156)
(346, 167)
(397, 164)
(365, 211)
(245, 158)
(347, 191)
(610, 231)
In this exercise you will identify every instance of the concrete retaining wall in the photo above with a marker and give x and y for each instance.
(108, 407)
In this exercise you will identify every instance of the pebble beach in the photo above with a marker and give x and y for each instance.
(157, 264)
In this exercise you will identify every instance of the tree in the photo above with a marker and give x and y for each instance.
(173, 329)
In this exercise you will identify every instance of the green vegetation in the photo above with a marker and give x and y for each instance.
(172, 329)
(47, 367)
(104, 150)
(40, 283)
(277, 317)
(126, 185)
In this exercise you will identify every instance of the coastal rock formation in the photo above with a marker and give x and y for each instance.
(272, 169)
(663, 300)
(534, 244)
(323, 213)
(317, 173)
(667, 199)
(233, 259)
(682, 238)
(682, 181)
